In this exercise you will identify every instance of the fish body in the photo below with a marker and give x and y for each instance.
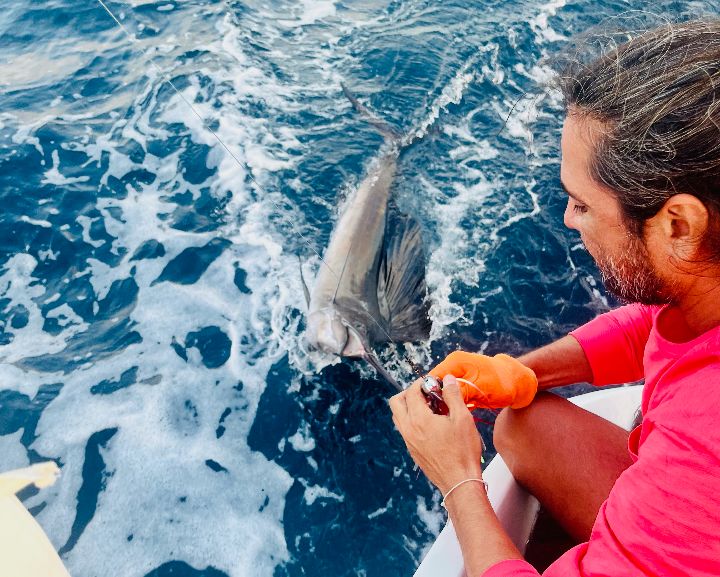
(344, 315)
(370, 288)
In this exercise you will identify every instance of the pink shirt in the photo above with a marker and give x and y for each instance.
(662, 517)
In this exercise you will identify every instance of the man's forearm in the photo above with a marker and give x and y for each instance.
(482, 539)
(558, 364)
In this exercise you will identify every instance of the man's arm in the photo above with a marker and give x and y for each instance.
(558, 364)
(605, 351)
(447, 449)
(483, 541)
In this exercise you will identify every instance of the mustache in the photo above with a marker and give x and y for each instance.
(631, 277)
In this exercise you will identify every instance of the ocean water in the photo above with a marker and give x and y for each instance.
(151, 308)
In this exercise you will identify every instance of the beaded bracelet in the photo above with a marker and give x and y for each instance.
(442, 503)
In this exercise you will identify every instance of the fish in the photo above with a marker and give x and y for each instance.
(370, 288)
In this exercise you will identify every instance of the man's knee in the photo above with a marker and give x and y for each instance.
(508, 435)
(516, 430)
(503, 429)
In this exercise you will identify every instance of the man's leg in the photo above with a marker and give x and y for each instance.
(567, 457)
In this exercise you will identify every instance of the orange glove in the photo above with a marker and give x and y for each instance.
(491, 382)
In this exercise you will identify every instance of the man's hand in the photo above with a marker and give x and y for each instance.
(495, 382)
(446, 447)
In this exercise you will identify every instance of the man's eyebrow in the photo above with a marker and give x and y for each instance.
(570, 194)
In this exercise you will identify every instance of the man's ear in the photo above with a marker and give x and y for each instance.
(684, 220)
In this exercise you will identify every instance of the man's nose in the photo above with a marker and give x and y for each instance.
(569, 218)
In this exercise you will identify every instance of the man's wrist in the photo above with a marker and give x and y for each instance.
(464, 489)
(453, 478)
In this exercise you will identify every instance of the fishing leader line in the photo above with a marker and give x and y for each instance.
(205, 125)
(165, 77)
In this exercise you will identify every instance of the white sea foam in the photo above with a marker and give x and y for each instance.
(20, 287)
(433, 517)
(456, 259)
(452, 93)
(381, 510)
(445, 261)
(315, 492)
(53, 175)
(36, 222)
(14, 454)
(302, 440)
(314, 11)
(160, 500)
(540, 25)
(65, 317)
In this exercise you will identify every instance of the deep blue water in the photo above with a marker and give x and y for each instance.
(151, 310)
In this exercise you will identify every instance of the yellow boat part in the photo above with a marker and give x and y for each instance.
(25, 550)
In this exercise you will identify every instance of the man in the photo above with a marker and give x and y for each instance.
(641, 167)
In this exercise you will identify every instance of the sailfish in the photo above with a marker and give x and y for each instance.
(370, 287)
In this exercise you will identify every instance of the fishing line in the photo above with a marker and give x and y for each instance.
(512, 109)
(342, 271)
(244, 166)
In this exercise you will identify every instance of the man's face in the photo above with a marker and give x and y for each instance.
(623, 258)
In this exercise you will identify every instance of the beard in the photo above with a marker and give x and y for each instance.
(631, 277)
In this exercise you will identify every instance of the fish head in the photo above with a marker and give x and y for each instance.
(328, 331)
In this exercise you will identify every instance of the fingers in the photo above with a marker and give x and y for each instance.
(439, 371)
(412, 403)
(450, 365)
(460, 364)
(398, 405)
(453, 397)
(417, 405)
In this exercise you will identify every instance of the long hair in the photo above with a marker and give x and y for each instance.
(656, 96)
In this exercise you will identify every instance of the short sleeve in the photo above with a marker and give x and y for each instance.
(614, 343)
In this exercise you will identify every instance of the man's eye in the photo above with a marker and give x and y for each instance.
(580, 208)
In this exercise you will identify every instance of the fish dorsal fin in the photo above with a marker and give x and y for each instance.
(401, 280)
